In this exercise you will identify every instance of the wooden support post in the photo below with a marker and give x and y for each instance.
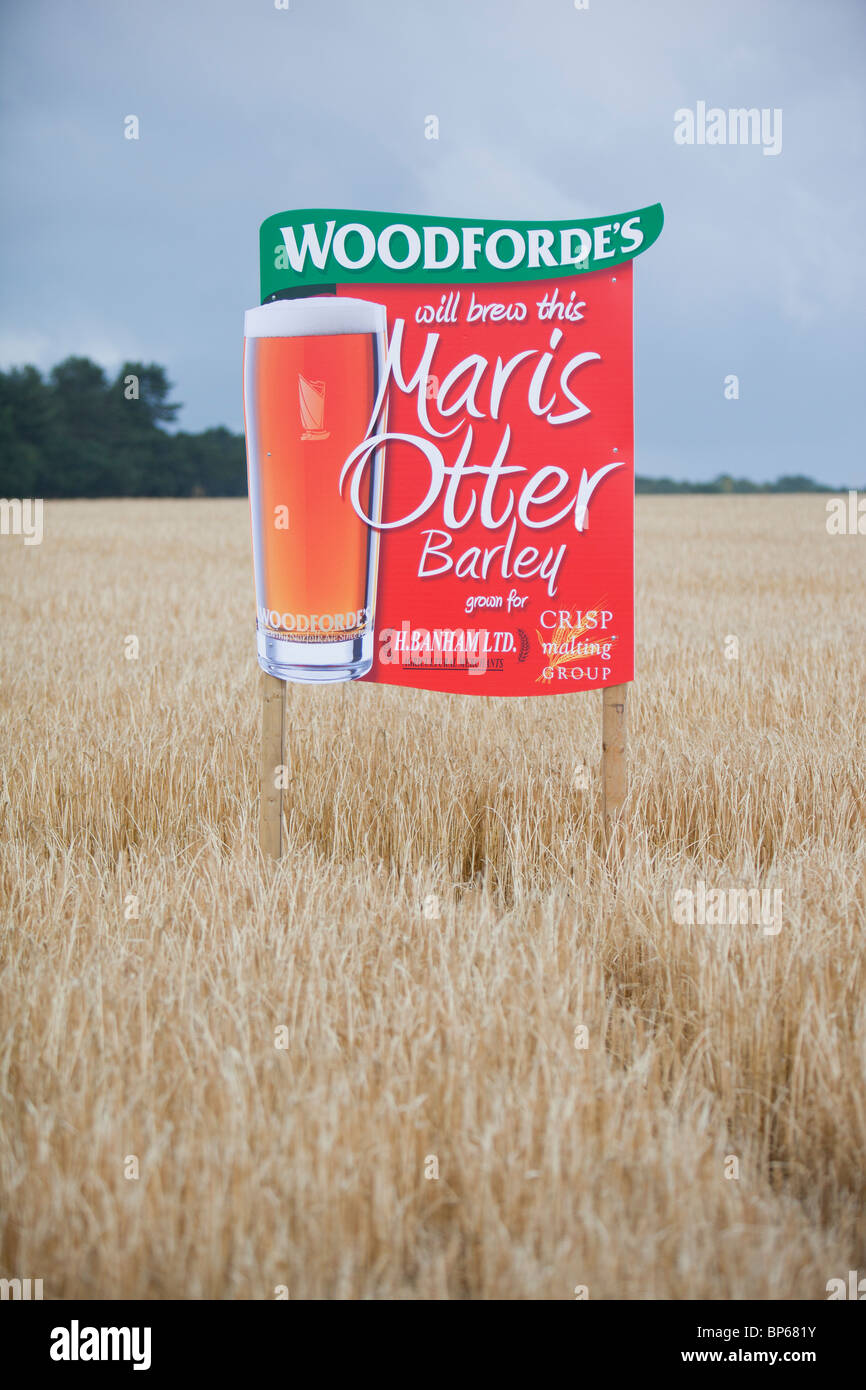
(614, 773)
(271, 806)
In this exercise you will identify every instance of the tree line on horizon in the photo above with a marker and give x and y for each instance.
(78, 432)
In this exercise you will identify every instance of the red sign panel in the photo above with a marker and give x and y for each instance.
(442, 474)
(507, 508)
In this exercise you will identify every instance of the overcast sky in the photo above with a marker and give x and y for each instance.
(148, 249)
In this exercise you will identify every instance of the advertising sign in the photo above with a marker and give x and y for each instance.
(440, 450)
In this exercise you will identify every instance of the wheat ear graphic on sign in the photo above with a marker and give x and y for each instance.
(312, 400)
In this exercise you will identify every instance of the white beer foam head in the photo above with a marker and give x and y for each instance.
(314, 316)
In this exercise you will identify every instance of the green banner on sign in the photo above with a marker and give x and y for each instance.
(310, 247)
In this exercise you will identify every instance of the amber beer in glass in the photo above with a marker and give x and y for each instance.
(312, 369)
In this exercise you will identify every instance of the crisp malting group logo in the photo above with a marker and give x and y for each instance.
(312, 401)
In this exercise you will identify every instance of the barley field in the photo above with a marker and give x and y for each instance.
(222, 1077)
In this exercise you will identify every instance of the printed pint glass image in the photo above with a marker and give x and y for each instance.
(312, 369)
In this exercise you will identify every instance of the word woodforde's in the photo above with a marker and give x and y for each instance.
(442, 409)
(353, 245)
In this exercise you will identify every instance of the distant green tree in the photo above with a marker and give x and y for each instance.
(144, 390)
(724, 483)
(82, 462)
(27, 425)
(798, 482)
(138, 405)
(211, 464)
